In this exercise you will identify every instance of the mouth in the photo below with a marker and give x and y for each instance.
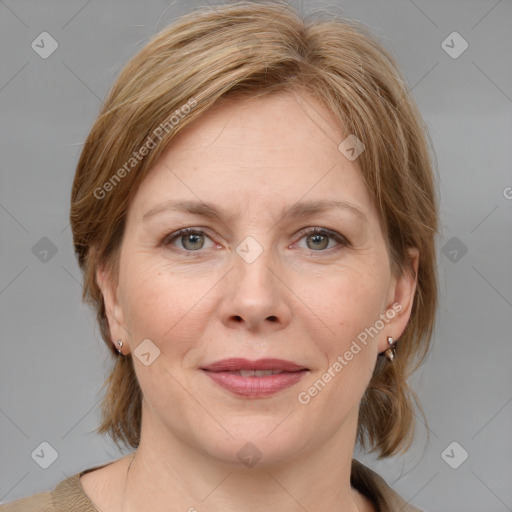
(254, 379)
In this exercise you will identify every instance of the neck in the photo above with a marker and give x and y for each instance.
(175, 472)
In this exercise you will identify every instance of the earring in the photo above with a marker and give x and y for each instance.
(390, 352)
(120, 343)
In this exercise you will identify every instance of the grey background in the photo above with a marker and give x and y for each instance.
(53, 362)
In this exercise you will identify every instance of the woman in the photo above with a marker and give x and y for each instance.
(255, 216)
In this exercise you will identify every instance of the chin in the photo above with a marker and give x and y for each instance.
(258, 441)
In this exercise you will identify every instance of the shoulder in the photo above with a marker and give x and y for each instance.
(373, 486)
(37, 503)
(67, 495)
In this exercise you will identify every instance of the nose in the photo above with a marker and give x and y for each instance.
(255, 297)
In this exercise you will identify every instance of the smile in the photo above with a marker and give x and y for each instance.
(255, 379)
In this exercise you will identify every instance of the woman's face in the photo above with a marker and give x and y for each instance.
(253, 281)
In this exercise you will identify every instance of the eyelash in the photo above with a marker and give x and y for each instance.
(342, 241)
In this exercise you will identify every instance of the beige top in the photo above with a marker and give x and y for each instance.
(69, 494)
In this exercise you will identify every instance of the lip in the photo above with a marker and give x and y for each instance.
(221, 372)
(239, 363)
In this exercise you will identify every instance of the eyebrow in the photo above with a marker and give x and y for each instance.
(298, 210)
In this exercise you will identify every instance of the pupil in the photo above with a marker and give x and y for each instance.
(190, 241)
(319, 238)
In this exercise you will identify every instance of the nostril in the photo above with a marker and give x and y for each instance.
(272, 318)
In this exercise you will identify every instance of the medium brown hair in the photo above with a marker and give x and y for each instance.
(248, 49)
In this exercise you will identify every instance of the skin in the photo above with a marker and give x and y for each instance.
(303, 300)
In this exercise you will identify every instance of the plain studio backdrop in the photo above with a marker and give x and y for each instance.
(456, 58)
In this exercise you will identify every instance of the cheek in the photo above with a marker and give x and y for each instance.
(349, 306)
(162, 305)
(345, 301)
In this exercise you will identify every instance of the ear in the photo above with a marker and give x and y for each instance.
(401, 299)
(110, 291)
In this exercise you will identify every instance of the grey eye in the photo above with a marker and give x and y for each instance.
(320, 239)
(192, 241)
(317, 241)
(189, 239)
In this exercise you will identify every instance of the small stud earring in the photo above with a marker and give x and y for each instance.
(390, 352)
(120, 344)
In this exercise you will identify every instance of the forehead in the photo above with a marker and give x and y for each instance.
(258, 154)
(265, 126)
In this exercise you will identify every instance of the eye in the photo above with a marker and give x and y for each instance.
(319, 239)
(190, 239)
